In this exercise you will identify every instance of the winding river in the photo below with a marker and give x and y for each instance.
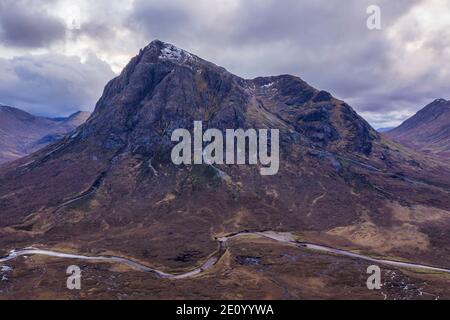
(281, 237)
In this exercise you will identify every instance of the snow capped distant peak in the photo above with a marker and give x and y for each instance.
(441, 100)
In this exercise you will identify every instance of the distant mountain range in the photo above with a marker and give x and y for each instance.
(427, 131)
(22, 133)
(385, 129)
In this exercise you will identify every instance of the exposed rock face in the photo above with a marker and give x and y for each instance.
(165, 88)
(111, 185)
(427, 131)
(22, 133)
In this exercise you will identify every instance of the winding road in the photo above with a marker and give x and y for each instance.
(282, 237)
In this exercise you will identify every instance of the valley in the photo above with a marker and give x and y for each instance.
(286, 238)
(250, 260)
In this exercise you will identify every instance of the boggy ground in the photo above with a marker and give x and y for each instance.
(252, 268)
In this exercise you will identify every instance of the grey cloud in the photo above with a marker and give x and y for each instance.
(24, 23)
(167, 19)
(53, 85)
(94, 30)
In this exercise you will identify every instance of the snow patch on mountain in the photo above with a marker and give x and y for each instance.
(173, 53)
(268, 85)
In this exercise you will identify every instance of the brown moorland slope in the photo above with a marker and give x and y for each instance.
(428, 131)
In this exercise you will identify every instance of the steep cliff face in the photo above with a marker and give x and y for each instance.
(427, 131)
(112, 186)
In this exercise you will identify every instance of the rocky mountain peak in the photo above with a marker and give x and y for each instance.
(170, 52)
(165, 88)
(166, 53)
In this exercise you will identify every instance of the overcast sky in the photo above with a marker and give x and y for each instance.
(57, 55)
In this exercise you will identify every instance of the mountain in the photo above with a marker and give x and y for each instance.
(110, 188)
(428, 130)
(22, 133)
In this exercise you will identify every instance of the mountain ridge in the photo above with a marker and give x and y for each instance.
(428, 131)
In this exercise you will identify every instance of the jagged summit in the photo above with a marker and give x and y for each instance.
(167, 50)
(159, 45)
(162, 52)
(170, 52)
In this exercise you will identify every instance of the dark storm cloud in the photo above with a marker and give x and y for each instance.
(24, 24)
(53, 85)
